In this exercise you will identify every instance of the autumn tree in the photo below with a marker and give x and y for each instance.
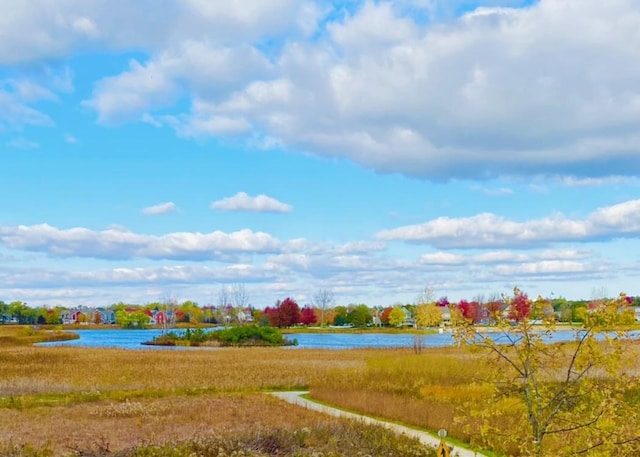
(519, 306)
(560, 399)
(285, 314)
(308, 316)
(428, 315)
(469, 311)
(397, 316)
(384, 316)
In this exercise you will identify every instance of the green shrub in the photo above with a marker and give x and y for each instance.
(250, 335)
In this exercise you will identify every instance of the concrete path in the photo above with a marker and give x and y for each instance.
(424, 437)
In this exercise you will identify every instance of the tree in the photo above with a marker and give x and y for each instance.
(384, 316)
(285, 314)
(4, 312)
(469, 310)
(308, 316)
(565, 399)
(239, 296)
(20, 311)
(340, 315)
(359, 316)
(520, 306)
(132, 319)
(397, 316)
(428, 315)
(426, 296)
(192, 312)
(224, 298)
(322, 299)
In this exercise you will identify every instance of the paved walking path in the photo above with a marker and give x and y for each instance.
(424, 437)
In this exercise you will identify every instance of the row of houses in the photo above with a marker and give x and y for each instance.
(86, 315)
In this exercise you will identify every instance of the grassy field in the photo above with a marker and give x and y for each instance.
(58, 401)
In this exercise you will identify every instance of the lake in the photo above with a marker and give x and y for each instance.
(133, 339)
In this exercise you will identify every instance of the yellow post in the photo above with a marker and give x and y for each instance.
(443, 449)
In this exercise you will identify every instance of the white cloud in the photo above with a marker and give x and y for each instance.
(442, 258)
(491, 192)
(488, 230)
(16, 112)
(573, 181)
(160, 208)
(244, 202)
(22, 143)
(123, 97)
(547, 268)
(118, 243)
(502, 90)
(460, 100)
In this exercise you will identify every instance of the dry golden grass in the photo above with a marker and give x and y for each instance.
(425, 390)
(28, 371)
(92, 399)
(96, 402)
(120, 425)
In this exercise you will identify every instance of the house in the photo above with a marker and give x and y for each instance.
(73, 316)
(446, 314)
(104, 316)
(83, 315)
(409, 320)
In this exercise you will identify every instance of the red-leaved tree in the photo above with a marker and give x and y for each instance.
(308, 316)
(469, 310)
(285, 314)
(520, 306)
(384, 316)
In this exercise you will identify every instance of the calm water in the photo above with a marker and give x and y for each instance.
(133, 339)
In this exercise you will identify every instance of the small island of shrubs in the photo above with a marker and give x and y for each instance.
(247, 335)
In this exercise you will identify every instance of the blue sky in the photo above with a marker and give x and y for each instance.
(371, 148)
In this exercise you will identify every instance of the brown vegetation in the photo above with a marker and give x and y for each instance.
(100, 401)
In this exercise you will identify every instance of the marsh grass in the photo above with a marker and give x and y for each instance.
(14, 335)
(102, 402)
(29, 371)
(218, 425)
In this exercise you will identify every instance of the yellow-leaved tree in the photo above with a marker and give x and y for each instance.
(556, 392)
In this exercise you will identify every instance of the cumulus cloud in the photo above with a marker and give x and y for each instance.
(489, 230)
(501, 90)
(244, 202)
(118, 243)
(458, 100)
(160, 208)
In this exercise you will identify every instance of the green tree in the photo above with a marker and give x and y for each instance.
(132, 319)
(4, 312)
(192, 312)
(340, 315)
(359, 316)
(564, 399)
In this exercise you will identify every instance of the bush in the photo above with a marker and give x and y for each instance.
(250, 335)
